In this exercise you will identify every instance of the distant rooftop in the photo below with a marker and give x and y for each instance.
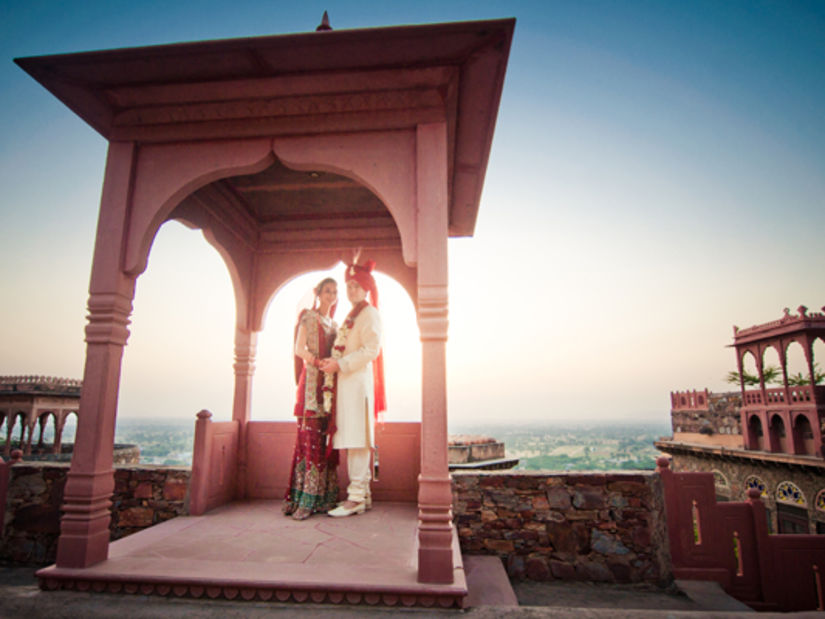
(40, 384)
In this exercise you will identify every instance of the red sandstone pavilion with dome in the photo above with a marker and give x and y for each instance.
(288, 152)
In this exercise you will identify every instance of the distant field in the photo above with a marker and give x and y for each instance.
(571, 451)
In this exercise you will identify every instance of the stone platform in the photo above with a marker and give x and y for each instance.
(251, 551)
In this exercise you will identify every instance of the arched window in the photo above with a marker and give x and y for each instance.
(820, 501)
(756, 436)
(722, 486)
(771, 367)
(791, 509)
(797, 365)
(789, 493)
(749, 372)
(819, 360)
(804, 435)
(755, 482)
(46, 430)
(779, 435)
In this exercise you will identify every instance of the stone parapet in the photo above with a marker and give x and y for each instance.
(603, 527)
(144, 495)
(121, 454)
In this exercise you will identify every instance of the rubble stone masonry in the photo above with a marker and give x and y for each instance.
(607, 527)
(603, 527)
(144, 495)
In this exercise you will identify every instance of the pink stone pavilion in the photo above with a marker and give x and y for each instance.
(288, 152)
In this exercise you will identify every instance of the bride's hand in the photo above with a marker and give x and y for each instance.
(330, 366)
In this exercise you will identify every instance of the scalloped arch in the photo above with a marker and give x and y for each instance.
(166, 173)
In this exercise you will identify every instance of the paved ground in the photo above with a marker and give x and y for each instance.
(20, 597)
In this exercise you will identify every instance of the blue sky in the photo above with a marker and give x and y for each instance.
(657, 175)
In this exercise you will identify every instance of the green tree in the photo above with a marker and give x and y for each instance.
(798, 380)
(770, 373)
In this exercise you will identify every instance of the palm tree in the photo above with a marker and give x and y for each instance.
(798, 380)
(770, 373)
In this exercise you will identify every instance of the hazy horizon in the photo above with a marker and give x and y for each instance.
(657, 175)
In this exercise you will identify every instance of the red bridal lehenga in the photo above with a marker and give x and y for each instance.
(313, 480)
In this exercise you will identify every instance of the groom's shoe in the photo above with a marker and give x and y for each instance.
(341, 511)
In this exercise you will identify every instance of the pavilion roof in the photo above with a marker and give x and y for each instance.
(789, 324)
(301, 84)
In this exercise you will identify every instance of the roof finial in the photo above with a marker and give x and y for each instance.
(324, 25)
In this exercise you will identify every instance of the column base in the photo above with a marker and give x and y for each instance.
(435, 566)
(84, 527)
(83, 550)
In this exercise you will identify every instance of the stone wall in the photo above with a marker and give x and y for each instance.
(604, 527)
(144, 495)
(594, 527)
(121, 454)
(721, 416)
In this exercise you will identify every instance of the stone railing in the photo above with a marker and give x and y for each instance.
(605, 527)
(777, 395)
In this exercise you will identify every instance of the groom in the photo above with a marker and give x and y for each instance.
(359, 390)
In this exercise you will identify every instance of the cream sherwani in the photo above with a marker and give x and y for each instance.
(354, 408)
(354, 404)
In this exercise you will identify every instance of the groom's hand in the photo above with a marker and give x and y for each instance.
(330, 366)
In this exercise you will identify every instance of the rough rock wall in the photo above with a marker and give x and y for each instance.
(605, 527)
(595, 527)
(144, 495)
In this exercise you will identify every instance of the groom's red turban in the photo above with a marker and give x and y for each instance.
(363, 275)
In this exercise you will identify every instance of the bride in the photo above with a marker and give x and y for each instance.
(313, 479)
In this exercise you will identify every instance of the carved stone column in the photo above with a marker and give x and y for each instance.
(435, 531)
(84, 528)
(246, 343)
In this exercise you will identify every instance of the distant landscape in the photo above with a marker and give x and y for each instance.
(538, 446)
(586, 447)
(578, 447)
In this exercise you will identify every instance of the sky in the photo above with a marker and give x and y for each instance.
(657, 175)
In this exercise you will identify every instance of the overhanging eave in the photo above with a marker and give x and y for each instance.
(301, 84)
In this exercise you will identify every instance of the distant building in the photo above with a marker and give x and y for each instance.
(27, 402)
(770, 438)
(477, 452)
